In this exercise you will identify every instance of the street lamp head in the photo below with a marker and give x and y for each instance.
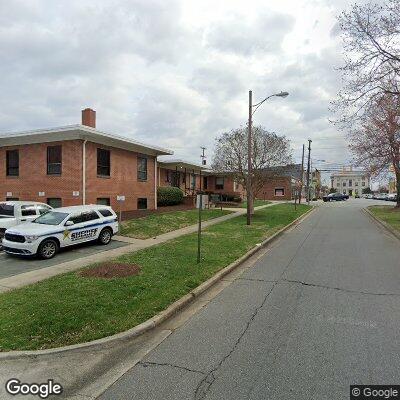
(282, 94)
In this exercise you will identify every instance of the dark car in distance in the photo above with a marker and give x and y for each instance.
(335, 197)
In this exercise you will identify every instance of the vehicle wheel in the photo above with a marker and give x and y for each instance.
(48, 249)
(105, 236)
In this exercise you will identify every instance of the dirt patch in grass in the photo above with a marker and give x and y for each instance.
(110, 270)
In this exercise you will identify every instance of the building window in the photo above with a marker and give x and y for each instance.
(54, 160)
(344, 191)
(356, 191)
(142, 204)
(168, 176)
(12, 161)
(219, 182)
(356, 183)
(103, 201)
(103, 162)
(344, 183)
(205, 182)
(279, 192)
(363, 184)
(142, 169)
(350, 182)
(193, 184)
(12, 198)
(54, 202)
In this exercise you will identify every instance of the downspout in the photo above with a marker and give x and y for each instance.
(155, 182)
(84, 172)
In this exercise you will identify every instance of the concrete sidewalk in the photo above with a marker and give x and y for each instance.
(38, 275)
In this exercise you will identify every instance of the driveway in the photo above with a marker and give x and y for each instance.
(316, 313)
(10, 266)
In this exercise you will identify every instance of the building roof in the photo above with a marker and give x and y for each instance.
(346, 173)
(290, 170)
(180, 164)
(82, 132)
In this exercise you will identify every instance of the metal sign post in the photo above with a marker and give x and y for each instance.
(120, 200)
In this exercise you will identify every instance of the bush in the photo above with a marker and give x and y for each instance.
(169, 196)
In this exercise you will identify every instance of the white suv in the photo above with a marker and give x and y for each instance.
(16, 212)
(61, 227)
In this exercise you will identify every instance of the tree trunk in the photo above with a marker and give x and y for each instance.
(398, 188)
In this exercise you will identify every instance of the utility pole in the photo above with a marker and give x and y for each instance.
(203, 162)
(302, 175)
(249, 172)
(308, 171)
(203, 156)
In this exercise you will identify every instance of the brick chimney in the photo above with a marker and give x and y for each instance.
(89, 117)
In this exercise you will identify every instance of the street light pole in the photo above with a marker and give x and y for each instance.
(249, 155)
(249, 148)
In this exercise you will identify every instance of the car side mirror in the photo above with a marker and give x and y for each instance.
(69, 223)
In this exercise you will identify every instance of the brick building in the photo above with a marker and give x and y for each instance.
(223, 185)
(281, 183)
(79, 164)
(180, 173)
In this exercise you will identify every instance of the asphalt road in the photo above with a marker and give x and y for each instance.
(11, 265)
(318, 312)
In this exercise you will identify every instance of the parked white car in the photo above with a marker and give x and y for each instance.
(13, 213)
(61, 227)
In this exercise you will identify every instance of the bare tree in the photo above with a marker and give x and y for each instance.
(376, 143)
(371, 39)
(268, 150)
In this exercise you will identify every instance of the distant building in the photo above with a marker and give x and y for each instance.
(281, 183)
(350, 182)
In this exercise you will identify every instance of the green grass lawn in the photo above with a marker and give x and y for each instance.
(69, 308)
(388, 214)
(257, 203)
(156, 224)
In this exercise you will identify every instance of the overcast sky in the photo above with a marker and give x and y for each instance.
(173, 73)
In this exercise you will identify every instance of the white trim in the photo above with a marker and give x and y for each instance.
(279, 188)
(172, 163)
(72, 132)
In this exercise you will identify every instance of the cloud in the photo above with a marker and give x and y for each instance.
(160, 74)
(239, 35)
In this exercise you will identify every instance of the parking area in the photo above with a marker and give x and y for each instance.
(10, 266)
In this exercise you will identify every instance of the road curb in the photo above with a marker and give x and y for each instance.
(393, 231)
(160, 317)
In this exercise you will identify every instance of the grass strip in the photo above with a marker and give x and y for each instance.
(388, 214)
(156, 224)
(69, 309)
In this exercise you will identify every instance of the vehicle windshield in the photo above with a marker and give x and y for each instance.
(51, 218)
(6, 210)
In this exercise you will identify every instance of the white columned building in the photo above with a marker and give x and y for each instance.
(350, 182)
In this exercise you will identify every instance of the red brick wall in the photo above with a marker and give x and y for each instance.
(33, 176)
(268, 190)
(122, 181)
